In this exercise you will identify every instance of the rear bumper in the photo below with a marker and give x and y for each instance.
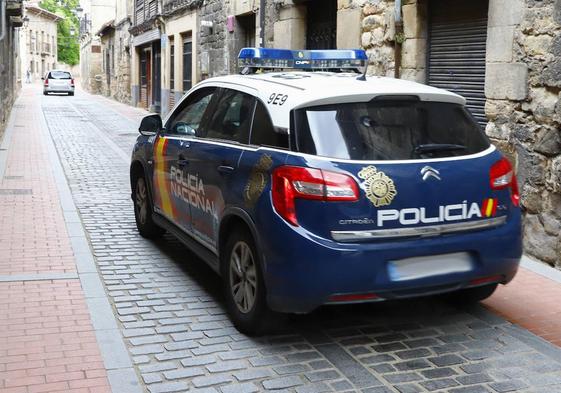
(302, 272)
(58, 89)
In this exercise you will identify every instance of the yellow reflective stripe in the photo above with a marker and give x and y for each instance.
(163, 187)
(489, 210)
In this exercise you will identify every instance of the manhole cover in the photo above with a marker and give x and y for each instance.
(16, 191)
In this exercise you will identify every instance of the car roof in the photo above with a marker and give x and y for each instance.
(304, 89)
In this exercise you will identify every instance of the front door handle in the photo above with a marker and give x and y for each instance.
(226, 169)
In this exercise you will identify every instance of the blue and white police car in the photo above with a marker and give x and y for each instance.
(303, 182)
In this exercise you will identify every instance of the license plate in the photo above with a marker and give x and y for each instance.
(429, 266)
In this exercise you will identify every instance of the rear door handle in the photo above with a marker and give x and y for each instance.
(181, 161)
(226, 169)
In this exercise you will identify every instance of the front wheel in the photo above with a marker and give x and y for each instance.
(243, 284)
(143, 211)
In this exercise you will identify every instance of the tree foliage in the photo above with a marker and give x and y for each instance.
(68, 45)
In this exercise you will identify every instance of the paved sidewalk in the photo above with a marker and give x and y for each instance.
(47, 341)
(532, 300)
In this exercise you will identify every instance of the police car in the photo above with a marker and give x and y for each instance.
(303, 182)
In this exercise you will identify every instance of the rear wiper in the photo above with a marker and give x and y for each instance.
(434, 147)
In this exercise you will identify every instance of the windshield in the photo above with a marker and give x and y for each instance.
(59, 75)
(388, 130)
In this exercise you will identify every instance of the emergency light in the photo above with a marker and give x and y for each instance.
(253, 58)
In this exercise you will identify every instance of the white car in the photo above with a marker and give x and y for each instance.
(58, 81)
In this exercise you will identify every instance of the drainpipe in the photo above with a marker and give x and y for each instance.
(399, 38)
(261, 22)
(3, 20)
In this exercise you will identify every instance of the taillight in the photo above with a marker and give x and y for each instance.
(46, 82)
(72, 82)
(502, 176)
(291, 182)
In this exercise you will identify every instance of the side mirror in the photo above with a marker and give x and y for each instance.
(42, 78)
(150, 125)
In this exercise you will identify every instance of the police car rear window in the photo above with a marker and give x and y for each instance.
(388, 130)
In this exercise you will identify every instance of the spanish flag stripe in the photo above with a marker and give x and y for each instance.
(489, 207)
(161, 183)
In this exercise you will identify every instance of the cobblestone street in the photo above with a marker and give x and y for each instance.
(172, 320)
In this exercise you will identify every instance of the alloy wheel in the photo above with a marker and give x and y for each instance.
(141, 201)
(243, 277)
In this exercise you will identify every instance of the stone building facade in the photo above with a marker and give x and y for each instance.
(96, 15)
(10, 19)
(115, 40)
(38, 42)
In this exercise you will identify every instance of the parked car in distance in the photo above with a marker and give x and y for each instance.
(58, 81)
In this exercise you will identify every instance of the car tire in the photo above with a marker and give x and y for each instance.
(45, 93)
(70, 94)
(241, 269)
(469, 296)
(143, 209)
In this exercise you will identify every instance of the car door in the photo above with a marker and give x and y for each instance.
(173, 193)
(213, 162)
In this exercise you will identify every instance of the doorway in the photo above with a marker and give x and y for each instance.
(321, 23)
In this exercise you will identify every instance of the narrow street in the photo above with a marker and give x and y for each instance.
(170, 317)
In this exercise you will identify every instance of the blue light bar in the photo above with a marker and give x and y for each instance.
(302, 59)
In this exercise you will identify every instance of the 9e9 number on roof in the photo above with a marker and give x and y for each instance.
(277, 99)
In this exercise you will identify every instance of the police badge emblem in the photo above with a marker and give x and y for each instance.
(379, 188)
(257, 180)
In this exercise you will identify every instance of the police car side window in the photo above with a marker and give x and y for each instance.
(263, 133)
(232, 116)
(188, 118)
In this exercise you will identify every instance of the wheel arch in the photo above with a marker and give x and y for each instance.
(237, 217)
(137, 169)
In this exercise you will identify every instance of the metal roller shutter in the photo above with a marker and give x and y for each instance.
(457, 46)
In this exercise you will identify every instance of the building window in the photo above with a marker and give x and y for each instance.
(187, 62)
(145, 9)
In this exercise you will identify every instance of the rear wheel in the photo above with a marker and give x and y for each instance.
(45, 93)
(469, 296)
(244, 287)
(143, 211)
(71, 94)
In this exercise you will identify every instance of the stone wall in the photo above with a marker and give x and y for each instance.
(524, 111)
(121, 77)
(9, 64)
(213, 49)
